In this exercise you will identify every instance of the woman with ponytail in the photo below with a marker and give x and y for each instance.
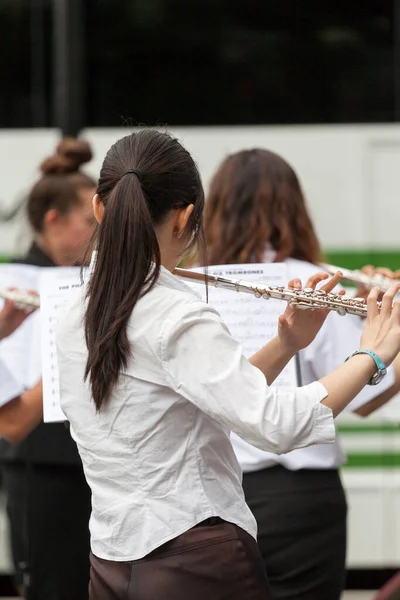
(152, 383)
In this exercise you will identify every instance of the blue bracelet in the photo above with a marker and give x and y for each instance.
(380, 366)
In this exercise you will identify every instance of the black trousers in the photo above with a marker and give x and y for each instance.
(212, 561)
(301, 518)
(49, 516)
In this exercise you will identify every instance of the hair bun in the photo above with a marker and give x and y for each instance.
(70, 155)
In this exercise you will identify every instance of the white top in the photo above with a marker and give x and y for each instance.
(9, 388)
(338, 338)
(158, 456)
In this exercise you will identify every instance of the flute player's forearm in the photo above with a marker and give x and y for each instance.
(347, 381)
(271, 359)
(21, 415)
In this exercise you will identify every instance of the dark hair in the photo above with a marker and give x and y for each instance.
(255, 197)
(60, 182)
(128, 259)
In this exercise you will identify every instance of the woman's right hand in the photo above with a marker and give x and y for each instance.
(12, 317)
(382, 329)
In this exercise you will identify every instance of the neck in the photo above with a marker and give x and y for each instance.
(56, 256)
(169, 258)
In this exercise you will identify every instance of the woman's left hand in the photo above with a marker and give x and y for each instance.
(297, 328)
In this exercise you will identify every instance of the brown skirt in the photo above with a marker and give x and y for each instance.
(213, 561)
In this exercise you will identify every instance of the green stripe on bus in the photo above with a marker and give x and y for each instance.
(369, 428)
(349, 259)
(355, 259)
(372, 461)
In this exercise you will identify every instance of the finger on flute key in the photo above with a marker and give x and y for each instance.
(333, 282)
(295, 284)
(315, 279)
(396, 312)
(372, 303)
(387, 300)
(368, 270)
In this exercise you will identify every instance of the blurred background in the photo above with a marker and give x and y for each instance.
(318, 82)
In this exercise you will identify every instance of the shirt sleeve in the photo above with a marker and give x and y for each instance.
(205, 365)
(338, 338)
(9, 388)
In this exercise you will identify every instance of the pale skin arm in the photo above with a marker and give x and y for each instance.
(11, 318)
(21, 415)
(342, 385)
(366, 409)
(296, 330)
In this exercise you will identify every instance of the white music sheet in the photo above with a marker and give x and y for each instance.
(21, 351)
(56, 291)
(15, 350)
(252, 321)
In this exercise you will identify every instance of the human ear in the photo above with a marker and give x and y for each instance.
(98, 208)
(182, 219)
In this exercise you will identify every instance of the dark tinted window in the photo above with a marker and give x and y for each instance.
(25, 62)
(217, 62)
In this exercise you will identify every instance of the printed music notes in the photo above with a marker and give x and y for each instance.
(252, 321)
(21, 352)
(14, 350)
(54, 297)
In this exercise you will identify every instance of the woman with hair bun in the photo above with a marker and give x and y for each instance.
(48, 498)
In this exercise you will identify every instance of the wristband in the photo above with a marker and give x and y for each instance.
(380, 366)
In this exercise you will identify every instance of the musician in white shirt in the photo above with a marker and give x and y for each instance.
(20, 410)
(256, 212)
(152, 383)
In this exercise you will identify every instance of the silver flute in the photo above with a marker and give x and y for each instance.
(305, 298)
(22, 300)
(359, 278)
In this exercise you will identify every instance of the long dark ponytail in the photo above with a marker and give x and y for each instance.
(144, 176)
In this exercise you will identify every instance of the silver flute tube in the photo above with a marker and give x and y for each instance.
(359, 278)
(305, 298)
(22, 300)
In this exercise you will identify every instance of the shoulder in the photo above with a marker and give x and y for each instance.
(189, 315)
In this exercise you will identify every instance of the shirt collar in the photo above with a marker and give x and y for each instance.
(174, 282)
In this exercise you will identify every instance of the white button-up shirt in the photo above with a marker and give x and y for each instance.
(158, 456)
(9, 387)
(337, 339)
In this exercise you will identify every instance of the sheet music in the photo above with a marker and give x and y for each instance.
(15, 350)
(21, 352)
(252, 321)
(55, 295)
